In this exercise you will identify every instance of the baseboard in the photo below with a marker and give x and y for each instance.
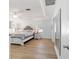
(45, 38)
(56, 50)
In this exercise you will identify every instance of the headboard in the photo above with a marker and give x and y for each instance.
(28, 28)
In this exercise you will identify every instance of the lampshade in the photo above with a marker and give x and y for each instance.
(15, 16)
(40, 30)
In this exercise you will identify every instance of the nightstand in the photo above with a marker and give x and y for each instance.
(37, 34)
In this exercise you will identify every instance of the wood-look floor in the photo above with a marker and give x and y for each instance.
(34, 49)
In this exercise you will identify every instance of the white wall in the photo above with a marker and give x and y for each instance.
(36, 19)
(49, 13)
(41, 22)
(42, 18)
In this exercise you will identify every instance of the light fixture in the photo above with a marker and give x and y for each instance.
(40, 30)
(15, 16)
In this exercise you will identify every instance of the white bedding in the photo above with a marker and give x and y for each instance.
(27, 33)
(21, 37)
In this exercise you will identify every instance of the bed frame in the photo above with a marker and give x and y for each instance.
(21, 38)
(20, 41)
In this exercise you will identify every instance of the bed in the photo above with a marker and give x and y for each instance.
(22, 36)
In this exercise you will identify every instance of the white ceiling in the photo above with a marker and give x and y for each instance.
(19, 6)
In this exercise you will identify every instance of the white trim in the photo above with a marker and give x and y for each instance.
(42, 2)
(56, 50)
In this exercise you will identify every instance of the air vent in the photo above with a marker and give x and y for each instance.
(28, 9)
(50, 2)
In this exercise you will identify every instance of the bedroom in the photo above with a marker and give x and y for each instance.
(31, 29)
(26, 16)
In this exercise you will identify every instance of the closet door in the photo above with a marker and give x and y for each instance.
(57, 25)
(65, 29)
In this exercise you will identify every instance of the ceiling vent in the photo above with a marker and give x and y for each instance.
(28, 9)
(50, 2)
